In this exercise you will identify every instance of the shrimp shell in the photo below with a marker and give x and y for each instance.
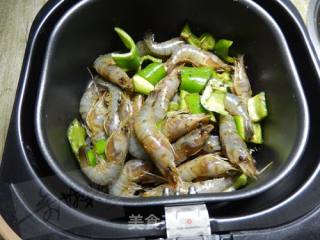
(163, 49)
(154, 142)
(127, 183)
(234, 147)
(191, 143)
(88, 99)
(117, 144)
(105, 66)
(212, 145)
(103, 173)
(135, 148)
(166, 90)
(209, 166)
(241, 83)
(235, 106)
(209, 186)
(178, 125)
(112, 100)
(190, 54)
(95, 118)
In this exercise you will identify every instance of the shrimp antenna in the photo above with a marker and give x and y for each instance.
(265, 168)
(90, 73)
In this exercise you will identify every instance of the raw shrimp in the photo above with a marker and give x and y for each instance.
(191, 143)
(241, 83)
(235, 106)
(154, 142)
(88, 99)
(135, 148)
(96, 117)
(112, 101)
(234, 147)
(208, 166)
(166, 90)
(212, 145)
(163, 49)
(197, 57)
(117, 144)
(128, 182)
(209, 186)
(103, 173)
(125, 108)
(178, 125)
(105, 66)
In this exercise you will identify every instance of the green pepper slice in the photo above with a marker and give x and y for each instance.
(130, 60)
(76, 135)
(194, 79)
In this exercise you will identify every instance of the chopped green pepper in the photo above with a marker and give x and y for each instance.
(187, 35)
(141, 85)
(91, 158)
(193, 79)
(183, 104)
(130, 60)
(99, 146)
(257, 134)
(222, 50)
(148, 58)
(238, 183)
(193, 103)
(76, 136)
(216, 84)
(257, 107)
(213, 100)
(225, 76)
(173, 106)
(207, 41)
(154, 72)
(240, 124)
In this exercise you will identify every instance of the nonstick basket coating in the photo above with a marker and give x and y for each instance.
(86, 31)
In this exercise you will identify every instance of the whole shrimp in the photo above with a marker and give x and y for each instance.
(234, 147)
(163, 49)
(206, 166)
(166, 90)
(153, 141)
(190, 54)
(95, 118)
(212, 145)
(107, 169)
(88, 99)
(178, 125)
(208, 186)
(191, 143)
(235, 106)
(133, 172)
(135, 148)
(106, 67)
(112, 102)
(241, 83)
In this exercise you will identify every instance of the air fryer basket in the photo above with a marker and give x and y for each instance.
(86, 30)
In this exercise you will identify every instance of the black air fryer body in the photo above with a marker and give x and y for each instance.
(44, 194)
